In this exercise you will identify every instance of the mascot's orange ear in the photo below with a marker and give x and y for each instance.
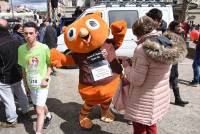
(98, 13)
(64, 29)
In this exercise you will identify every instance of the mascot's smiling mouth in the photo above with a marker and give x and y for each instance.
(85, 35)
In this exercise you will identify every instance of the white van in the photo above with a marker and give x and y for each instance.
(130, 13)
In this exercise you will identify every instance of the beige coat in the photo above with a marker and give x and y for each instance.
(149, 96)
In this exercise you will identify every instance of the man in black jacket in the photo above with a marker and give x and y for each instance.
(10, 76)
(50, 38)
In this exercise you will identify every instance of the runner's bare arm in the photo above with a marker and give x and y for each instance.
(25, 80)
(49, 70)
(45, 81)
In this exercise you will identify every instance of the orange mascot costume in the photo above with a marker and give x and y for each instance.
(94, 53)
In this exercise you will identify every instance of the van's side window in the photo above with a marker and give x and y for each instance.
(130, 16)
(92, 13)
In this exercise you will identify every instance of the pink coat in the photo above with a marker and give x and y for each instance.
(149, 95)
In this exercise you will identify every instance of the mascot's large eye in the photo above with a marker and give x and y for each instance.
(92, 24)
(71, 34)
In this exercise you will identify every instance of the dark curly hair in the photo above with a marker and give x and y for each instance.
(143, 25)
(16, 27)
(155, 14)
(172, 25)
(30, 24)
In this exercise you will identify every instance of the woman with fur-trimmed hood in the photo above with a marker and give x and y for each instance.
(149, 97)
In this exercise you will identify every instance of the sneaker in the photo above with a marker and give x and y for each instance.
(47, 121)
(8, 124)
(194, 83)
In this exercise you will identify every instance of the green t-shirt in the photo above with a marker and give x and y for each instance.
(35, 61)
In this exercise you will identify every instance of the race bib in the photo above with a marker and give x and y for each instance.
(101, 70)
(34, 81)
(33, 76)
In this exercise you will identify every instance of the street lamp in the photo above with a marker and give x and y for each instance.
(54, 6)
(48, 9)
(12, 8)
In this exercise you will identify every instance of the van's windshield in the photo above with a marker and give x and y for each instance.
(130, 16)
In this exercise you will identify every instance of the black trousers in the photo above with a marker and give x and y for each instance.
(174, 81)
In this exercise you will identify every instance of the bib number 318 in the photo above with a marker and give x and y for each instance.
(34, 81)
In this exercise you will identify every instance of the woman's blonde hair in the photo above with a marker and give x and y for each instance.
(143, 25)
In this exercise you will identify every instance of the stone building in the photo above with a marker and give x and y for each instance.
(193, 13)
(4, 6)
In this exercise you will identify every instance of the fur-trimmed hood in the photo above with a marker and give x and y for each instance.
(168, 48)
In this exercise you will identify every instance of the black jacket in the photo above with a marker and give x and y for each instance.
(18, 36)
(50, 37)
(10, 71)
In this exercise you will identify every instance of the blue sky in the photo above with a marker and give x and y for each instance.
(28, 1)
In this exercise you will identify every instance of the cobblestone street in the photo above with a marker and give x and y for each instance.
(65, 102)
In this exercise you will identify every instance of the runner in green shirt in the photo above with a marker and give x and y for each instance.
(34, 57)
